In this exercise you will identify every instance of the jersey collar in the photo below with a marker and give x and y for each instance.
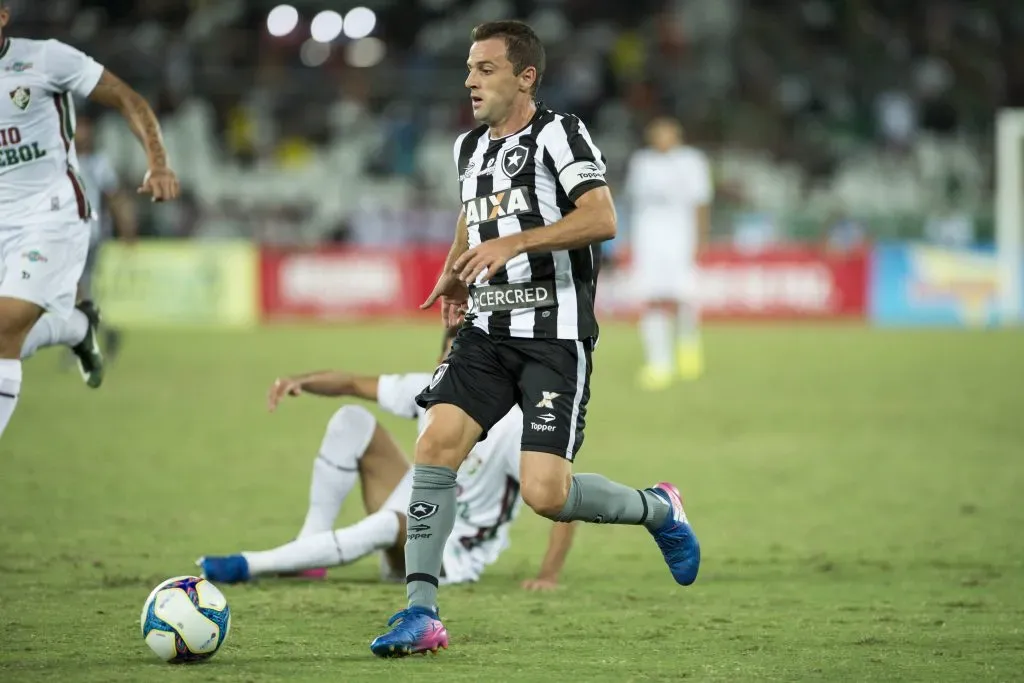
(4, 47)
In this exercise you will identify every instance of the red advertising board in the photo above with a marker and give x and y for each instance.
(782, 283)
(333, 283)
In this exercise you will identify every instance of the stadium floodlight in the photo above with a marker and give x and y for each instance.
(365, 52)
(314, 53)
(282, 20)
(360, 22)
(326, 26)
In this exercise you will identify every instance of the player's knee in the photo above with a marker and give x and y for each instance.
(545, 495)
(349, 419)
(439, 447)
(349, 431)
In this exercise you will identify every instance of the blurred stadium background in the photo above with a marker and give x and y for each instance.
(831, 126)
(856, 489)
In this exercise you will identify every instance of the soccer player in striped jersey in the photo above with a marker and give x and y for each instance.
(44, 211)
(521, 273)
(355, 448)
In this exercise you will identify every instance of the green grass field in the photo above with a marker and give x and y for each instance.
(859, 496)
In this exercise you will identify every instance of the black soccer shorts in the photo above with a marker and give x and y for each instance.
(548, 378)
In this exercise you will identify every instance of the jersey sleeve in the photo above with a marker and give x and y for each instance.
(580, 164)
(397, 393)
(71, 70)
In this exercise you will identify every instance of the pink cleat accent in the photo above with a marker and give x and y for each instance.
(675, 499)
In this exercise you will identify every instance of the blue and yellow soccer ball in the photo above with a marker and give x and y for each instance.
(185, 619)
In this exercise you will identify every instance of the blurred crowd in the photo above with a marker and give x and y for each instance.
(824, 119)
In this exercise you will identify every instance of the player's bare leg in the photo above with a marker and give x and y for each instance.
(553, 491)
(447, 439)
(656, 329)
(354, 448)
(690, 352)
(16, 319)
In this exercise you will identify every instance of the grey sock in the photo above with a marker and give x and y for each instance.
(593, 498)
(431, 518)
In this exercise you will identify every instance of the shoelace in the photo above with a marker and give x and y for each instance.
(401, 615)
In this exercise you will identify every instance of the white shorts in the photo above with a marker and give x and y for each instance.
(664, 265)
(43, 263)
(664, 277)
(460, 565)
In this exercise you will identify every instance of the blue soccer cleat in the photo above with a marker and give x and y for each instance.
(224, 568)
(676, 539)
(417, 630)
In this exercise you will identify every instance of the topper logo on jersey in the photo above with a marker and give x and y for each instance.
(513, 160)
(498, 205)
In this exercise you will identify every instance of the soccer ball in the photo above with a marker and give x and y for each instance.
(185, 619)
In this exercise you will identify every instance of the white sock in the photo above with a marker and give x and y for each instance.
(688, 324)
(336, 468)
(656, 330)
(51, 330)
(10, 387)
(328, 548)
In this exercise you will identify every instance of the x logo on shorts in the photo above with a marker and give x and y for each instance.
(548, 397)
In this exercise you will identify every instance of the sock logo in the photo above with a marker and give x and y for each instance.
(420, 510)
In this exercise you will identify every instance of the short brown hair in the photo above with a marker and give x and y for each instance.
(522, 46)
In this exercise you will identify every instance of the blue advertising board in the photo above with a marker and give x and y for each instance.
(916, 284)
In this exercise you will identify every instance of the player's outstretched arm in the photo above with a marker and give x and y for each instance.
(111, 91)
(593, 220)
(554, 559)
(323, 383)
(449, 288)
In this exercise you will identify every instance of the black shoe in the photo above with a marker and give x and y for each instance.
(87, 351)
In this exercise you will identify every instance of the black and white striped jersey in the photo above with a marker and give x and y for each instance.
(526, 180)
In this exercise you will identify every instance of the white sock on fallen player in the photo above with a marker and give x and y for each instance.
(336, 468)
(51, 330)
(10, 387)
(328, 548)
(656, 330)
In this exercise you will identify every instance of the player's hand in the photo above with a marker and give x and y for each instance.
(453, 312)
(161, 184)
(283, 386)
(541, 584)
(454, 296)
(487, 256)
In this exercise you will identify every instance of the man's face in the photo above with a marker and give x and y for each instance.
(492, 85)
(663, 135)
(5, 16)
